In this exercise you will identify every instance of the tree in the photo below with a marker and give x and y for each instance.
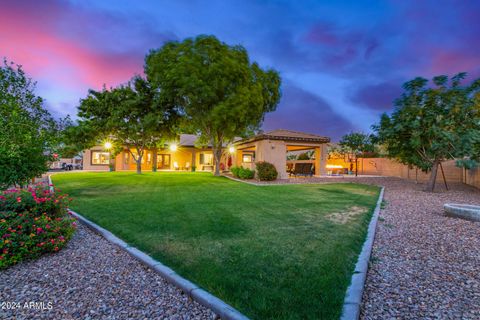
(27, 130)
(222, 94)
(133, 116)
(356, 144)
(433, 124)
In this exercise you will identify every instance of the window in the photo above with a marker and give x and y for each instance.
(99, 157)
(206, 158)
(248, 157)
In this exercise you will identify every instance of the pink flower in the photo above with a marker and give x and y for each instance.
(47, 226)
(39, 230)
(19, 199)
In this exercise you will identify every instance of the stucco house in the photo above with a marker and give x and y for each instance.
(271, 147)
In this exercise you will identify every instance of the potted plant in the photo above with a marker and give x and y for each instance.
(194, 168)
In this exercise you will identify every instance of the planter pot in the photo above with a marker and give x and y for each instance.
(464, 211)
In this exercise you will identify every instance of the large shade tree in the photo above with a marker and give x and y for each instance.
(27, 131)
(431, 124)
(133, 116)
(222, 93)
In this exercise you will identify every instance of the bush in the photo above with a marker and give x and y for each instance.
(266, 171)
(33, 221)
(242, 173)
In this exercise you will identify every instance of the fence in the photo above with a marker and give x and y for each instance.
(387, 167)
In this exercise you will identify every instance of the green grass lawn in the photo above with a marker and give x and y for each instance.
(272, 252)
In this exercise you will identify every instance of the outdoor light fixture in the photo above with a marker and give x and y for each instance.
(173, 147)
(108, 145)
(231, 149)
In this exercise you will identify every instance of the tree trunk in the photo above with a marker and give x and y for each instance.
(154, 160)
(217, 155)
(139, 164)
(433, 177)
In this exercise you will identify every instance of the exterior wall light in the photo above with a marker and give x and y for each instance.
(231, 149)
(173, 147)
(108, 145)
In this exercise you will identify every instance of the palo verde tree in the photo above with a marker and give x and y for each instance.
(27, 130)
(221, 93)
(356, 144)
(431, 124)
(133, 116)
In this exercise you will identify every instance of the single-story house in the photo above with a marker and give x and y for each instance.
(271, 147)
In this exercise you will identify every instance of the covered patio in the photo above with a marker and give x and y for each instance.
(273, 147)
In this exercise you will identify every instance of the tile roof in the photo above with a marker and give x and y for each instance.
(287, 135)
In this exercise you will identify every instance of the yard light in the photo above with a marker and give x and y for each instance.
(108, 145)
(173, 147)
(231, 149)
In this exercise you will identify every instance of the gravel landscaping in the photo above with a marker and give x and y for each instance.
(92, 279)
(424, 264)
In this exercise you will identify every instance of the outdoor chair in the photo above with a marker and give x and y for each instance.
(303, 169)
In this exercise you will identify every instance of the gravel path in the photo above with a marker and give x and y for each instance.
(92, 279)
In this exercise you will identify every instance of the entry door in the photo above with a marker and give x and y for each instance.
(163, 161)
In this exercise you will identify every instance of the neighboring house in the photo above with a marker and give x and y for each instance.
(271, 147)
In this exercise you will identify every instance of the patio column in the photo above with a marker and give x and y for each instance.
(321, 160)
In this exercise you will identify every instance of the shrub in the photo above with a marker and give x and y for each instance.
(234, 170)
(266, 171)
(242, 173)
(33, 221)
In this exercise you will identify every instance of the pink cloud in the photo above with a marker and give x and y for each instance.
(29, 38)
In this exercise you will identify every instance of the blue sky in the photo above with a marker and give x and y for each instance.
(342, 62)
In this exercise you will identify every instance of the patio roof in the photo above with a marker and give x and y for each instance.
(287, 136)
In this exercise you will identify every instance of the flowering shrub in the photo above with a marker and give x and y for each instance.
(33, 221)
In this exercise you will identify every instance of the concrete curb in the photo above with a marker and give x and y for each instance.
(206, 299)
(353, 297)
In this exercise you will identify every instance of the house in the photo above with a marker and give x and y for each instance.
(271, 147)
(181, 156)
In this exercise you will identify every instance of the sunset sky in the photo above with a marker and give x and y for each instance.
(342, 62)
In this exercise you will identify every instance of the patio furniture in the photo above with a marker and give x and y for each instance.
(302, 169)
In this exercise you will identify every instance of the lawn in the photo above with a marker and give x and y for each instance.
(272, 252)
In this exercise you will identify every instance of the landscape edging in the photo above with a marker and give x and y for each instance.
(206, 299)
(203, 297)
(353, 296)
